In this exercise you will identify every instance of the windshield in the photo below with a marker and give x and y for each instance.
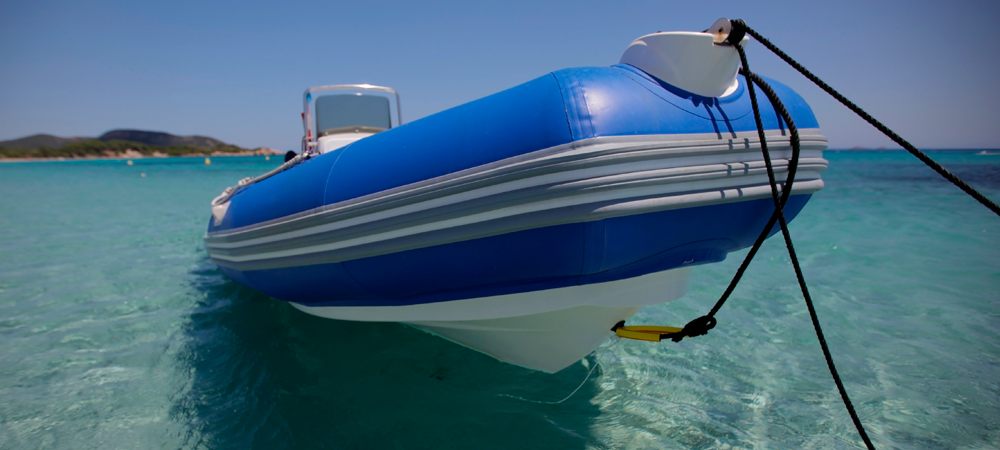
(348, 112)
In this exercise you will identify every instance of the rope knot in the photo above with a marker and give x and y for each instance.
(696, 327)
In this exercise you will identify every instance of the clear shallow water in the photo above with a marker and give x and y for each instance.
(118, 333)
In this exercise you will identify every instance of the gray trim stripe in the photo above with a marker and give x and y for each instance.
(583, 181)
(681, 150)
(538, 198)
(512, 224)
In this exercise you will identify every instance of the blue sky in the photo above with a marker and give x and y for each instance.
(236, 70)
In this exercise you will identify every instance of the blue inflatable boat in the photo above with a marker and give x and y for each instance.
(525, 224)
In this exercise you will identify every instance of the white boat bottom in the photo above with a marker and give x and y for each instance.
(549, 341)
(542, 330)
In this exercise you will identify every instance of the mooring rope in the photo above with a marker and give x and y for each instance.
(779, 211)
(741, 27)
(703, 324)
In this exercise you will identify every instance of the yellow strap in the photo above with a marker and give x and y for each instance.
(649, 333)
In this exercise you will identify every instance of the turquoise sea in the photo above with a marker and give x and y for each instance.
(116, 332)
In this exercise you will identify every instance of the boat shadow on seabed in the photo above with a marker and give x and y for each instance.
(265, 375)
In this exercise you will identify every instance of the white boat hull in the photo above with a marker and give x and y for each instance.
(542, 330)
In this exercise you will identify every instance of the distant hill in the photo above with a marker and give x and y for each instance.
(41, 140)
(123, 144)
(143, 137)
(158, 138)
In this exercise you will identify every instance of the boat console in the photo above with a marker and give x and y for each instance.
(335, 116)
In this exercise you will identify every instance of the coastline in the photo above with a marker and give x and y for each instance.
(132, 154)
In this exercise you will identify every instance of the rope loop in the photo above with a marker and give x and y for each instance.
(738, 29)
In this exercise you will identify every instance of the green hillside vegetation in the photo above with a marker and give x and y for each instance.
(97, 148)
(159, 138)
